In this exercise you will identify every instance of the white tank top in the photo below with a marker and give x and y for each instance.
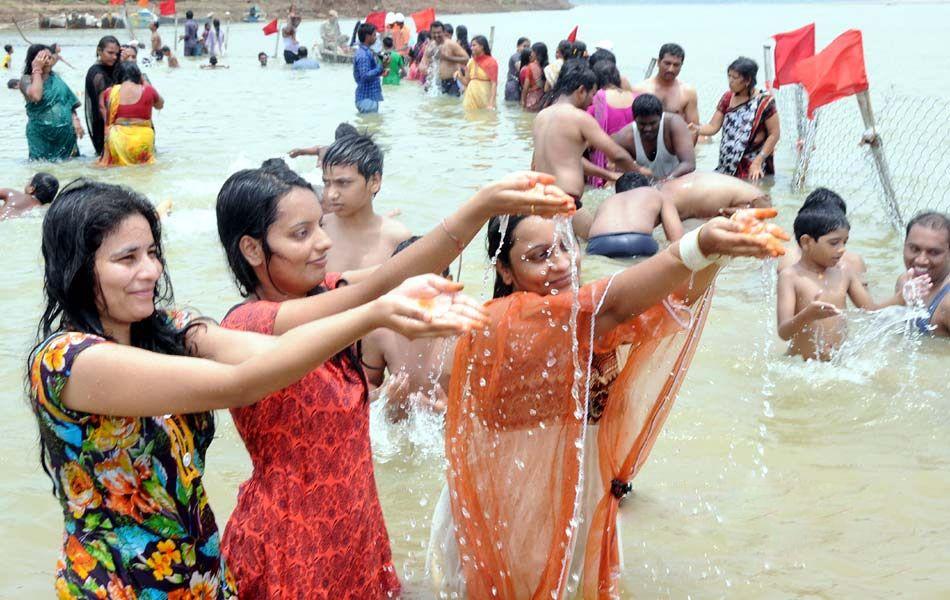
(289, 44)
(665, 161)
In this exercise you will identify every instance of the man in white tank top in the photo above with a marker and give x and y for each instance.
(658, 141)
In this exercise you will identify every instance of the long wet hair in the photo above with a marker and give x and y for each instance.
(501, 246)
(105, 41)
(540, 50)
(31, 53)
(128, 71)
(461, 36)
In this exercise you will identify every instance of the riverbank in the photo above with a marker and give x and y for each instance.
(27, 13)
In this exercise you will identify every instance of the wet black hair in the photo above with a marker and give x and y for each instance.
(217, 26)
(565, 48)
(213, 60)
(818, 222)
(31, 53)
(410, 241)
(365, 30)
(540, 50)
(435, 24)
(578, 49)
(9, 48)
(166, 49)
(483, 42)
(13, 83)
(44, 187)
(747, 69)
(607, 74)
(574, 74)
(105, 41)
(358, 150)
(448, 28)
(647, 105)
(673, 50)
(189, 15)
(387, 42)
(822, 197)
(601, 55)
(301, 52)
(501, 247)
(128, 71)
(630, 181)
(344, 129)
(522, 40)
(461, 36)
(930, 219)
(247, 206)
(525, 57)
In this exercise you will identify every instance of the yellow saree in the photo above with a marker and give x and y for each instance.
(127, 143)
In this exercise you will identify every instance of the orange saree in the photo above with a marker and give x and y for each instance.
(516, 433)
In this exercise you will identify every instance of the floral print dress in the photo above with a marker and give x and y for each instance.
(137, 519)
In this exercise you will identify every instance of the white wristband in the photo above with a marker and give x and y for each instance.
(690, 254)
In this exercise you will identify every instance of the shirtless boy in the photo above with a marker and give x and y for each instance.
(624, 223)
(677, 97)
(450, 56)
(157, 52)
(813, 292)
(707, 195)
(352, 176)
(927, 252)
(419, 370)
(659, 141)
(564, 130)
(41, 190)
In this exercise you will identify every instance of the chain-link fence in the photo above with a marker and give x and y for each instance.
(907, 163)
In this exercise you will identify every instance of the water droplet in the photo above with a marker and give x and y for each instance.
(482, 382)
(551, 361)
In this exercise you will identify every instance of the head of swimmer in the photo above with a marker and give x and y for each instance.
(670, 61)
(822, 233)
(269, 223)
(647, 114)
(927, 246)
(531, 256)
(578, 82)
(104, 265)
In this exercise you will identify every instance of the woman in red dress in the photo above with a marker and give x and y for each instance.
(308, 522)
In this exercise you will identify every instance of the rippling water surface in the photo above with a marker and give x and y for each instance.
(772, 478)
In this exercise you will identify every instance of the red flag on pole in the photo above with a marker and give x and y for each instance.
(116, 2)
(791, 47)
(270, 28)
(377, 18)
(835, 72)
(166, 8)
(423, 19)
(572, 36)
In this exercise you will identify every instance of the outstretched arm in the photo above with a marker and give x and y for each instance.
(711, 128)
(597, 139)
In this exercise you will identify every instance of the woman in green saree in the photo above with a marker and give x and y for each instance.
(52, 128)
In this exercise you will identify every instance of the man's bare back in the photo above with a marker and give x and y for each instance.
(633, 211)
(16, 204)
(559, 146)
(707, 195)
(362, 246)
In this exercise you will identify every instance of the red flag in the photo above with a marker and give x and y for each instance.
(378, 19)
(116, 2)
(166, 8)
(791, 47)
(572, 36)
(270, 28)
(835, 72)
(423, 19)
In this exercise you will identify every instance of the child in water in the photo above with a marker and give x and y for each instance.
(41, 190)
(813, 292)
(352, 176)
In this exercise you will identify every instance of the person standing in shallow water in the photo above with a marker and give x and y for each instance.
(367, 71)
(99, 78)
(513, 84)
(52, 127)
(191, 35)
(123, 441)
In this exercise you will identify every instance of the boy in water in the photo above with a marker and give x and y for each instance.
(820, 199)
(419, 370)
(352, 176)
(813, 292)
(393, 62)
(172, 59)
(624, 223)
(41, 190)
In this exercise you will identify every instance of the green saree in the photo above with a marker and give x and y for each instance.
(49, 129)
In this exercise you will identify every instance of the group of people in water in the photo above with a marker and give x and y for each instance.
(554, 391)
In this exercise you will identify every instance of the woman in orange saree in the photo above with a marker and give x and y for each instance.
(555, 406)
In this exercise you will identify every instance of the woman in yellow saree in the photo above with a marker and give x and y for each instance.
(555, 406)
(129, 134)
(480, 77)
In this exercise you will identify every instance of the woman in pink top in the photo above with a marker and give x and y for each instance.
(613, 109)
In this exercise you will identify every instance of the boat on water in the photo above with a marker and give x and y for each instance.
(335, 56)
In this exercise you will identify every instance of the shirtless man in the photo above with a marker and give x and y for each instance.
(624, 223)
(352, 176)
(674, 157)
(927, 252)
(707, 195)
(419, 370)
(450, 56)
(564, 130)
(41, 190)
(157, 53)
(677, 97)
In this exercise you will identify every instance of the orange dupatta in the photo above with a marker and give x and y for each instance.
(515, 426)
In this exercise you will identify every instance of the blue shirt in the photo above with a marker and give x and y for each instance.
(366, 73)
(305, 63)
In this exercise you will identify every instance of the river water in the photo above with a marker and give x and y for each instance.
(772, 478)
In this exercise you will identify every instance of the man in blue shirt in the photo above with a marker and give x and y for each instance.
(367, 71)
(303, 62)
(191, 35)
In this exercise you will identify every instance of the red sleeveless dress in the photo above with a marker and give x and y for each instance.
(308, 523)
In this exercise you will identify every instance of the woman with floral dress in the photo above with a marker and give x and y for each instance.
(123, 392)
